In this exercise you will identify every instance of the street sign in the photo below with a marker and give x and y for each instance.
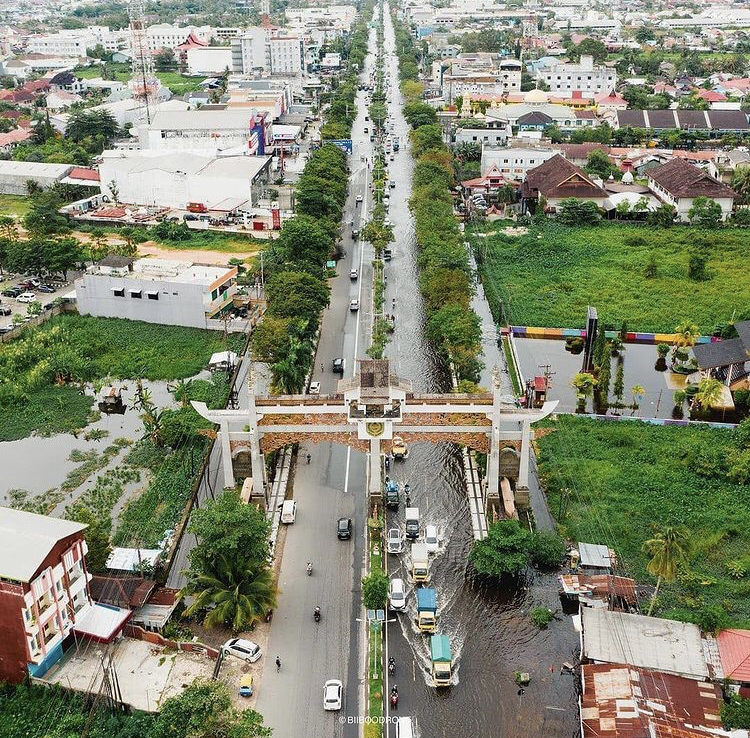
(345, 144)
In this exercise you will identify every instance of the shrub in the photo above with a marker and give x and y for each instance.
(547, 550)
(542, 617)
(375, 590)
(712, 618)
(735, 713)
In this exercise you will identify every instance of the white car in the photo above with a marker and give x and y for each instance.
(395, 541)
(314, 388)
(359, 199)
(333, 692)
(431, 538)
(397, 594)
(242, 649)
(354, 305)
(26, 297)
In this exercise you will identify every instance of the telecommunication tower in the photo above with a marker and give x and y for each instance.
(143, 82)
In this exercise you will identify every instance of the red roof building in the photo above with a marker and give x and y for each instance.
(734, 651)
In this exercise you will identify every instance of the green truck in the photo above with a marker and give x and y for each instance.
(442, 660)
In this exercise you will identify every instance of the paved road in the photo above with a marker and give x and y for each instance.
(332, 486)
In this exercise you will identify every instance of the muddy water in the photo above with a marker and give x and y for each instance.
(488, 623)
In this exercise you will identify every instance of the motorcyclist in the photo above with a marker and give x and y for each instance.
(309, 568)
(391, 665)
(316, 613)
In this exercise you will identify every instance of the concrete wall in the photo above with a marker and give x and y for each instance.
(182, 304)
(209, 60)
(15, 184)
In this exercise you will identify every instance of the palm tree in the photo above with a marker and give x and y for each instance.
(710, 393)
(668, 550)
(233, 591)
(638, 391)
(741, 184)
(686, 334)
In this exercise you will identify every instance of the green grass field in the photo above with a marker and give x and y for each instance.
(625, 478)
(178, 83)
(14, 205)
(549, 276)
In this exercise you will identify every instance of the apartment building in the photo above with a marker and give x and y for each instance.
(514, 163)
(480, 74)
(156, 291)
(250, 51)
(587, 78)
(44, 593)
(167, 36)
(286, 54)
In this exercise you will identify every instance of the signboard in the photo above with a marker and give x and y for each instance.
(345, 144)
(276, 218)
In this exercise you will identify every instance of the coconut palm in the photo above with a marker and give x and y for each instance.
(686, 334)
(668, 551)
(741, 184)
(233, 592)
(710, 392)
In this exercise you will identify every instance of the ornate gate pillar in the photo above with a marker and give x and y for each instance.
(226, 455)
(374, 482)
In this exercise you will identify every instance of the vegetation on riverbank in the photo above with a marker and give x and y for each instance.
(38, 369)
(616, 483)
(548, 276)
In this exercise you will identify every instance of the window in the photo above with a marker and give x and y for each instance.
(152, 295)
(118, 291)
(136, 294)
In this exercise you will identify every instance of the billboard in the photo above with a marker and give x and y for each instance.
(345, 144)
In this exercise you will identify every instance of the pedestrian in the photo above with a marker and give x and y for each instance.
(278, 664)
(308, 458)
(322, 367)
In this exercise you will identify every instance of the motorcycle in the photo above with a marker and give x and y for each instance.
(394, 698)
(391, 666)
(309, 568)
(316, 614)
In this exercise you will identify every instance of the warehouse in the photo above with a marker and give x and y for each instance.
(173, 180)
(14, 175)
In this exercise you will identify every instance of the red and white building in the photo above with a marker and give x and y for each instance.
(44, 593)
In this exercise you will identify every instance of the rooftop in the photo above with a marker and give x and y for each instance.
(682, 179)
(26, 539)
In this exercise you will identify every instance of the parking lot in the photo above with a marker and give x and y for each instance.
(10, 305)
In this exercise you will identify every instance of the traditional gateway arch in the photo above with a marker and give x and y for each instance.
(366, 412)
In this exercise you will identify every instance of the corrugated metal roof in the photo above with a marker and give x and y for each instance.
(26, 539)
(734, 650)
(596, 555)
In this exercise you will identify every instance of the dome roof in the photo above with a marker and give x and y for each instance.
(536, 96)
(627, 178)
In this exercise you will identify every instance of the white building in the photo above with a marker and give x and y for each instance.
(470, 75)
(14, 175)
(487, 136)
(250, 52)
(213, 130)
(585, 77)
(174, 179)
(156, 291)
(209, 60)
(64, 43)
(514, 163)
(287, 54)
(341, 15)
(166, 36)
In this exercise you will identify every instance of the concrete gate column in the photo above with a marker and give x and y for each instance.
(226, 455)
(256, 457)
(374, 482)
(523, 471)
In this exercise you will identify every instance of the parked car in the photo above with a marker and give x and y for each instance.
(344, 529)
(333, 694)
(26, 297)
(314, 388)
(46, 288)
(5, 310)
(242, 649)
(354, 305)
(288, 512)
(339, 365)
(5, 329)
(12, 291)
(394, 541)
(397, 594)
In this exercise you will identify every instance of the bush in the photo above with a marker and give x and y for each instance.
(547, 550)
(542, 617)
(504, 551)
(735, 714)
(375, 590)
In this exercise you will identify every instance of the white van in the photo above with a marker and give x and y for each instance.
(404, 728)
(288, 511)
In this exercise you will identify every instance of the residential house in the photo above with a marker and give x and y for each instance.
(679, 183)
(44, 593)
(726, 360)
(513, 162)
(8, 141)
(156, 291)
(585, 77)
(556, 180)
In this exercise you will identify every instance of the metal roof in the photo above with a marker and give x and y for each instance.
(594, 554)
(26, 540)
(637, 640)
(720, 353)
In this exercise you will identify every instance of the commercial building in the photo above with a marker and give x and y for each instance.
(250, 51)
(513, 162)
(167, 36)
(14, 175)
(65, 43)
(174, 179)
(209, 60)
(286, 54)
(713, 122)
(587, 78)
(480, 74)
(44, 593)
(243, 131)
(156, 291)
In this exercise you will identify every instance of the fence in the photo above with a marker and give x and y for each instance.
(43, 317)
(141, 634)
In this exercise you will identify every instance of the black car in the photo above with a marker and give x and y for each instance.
(338, 365)
(5, 310)
(13, 291)
(344, 529)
